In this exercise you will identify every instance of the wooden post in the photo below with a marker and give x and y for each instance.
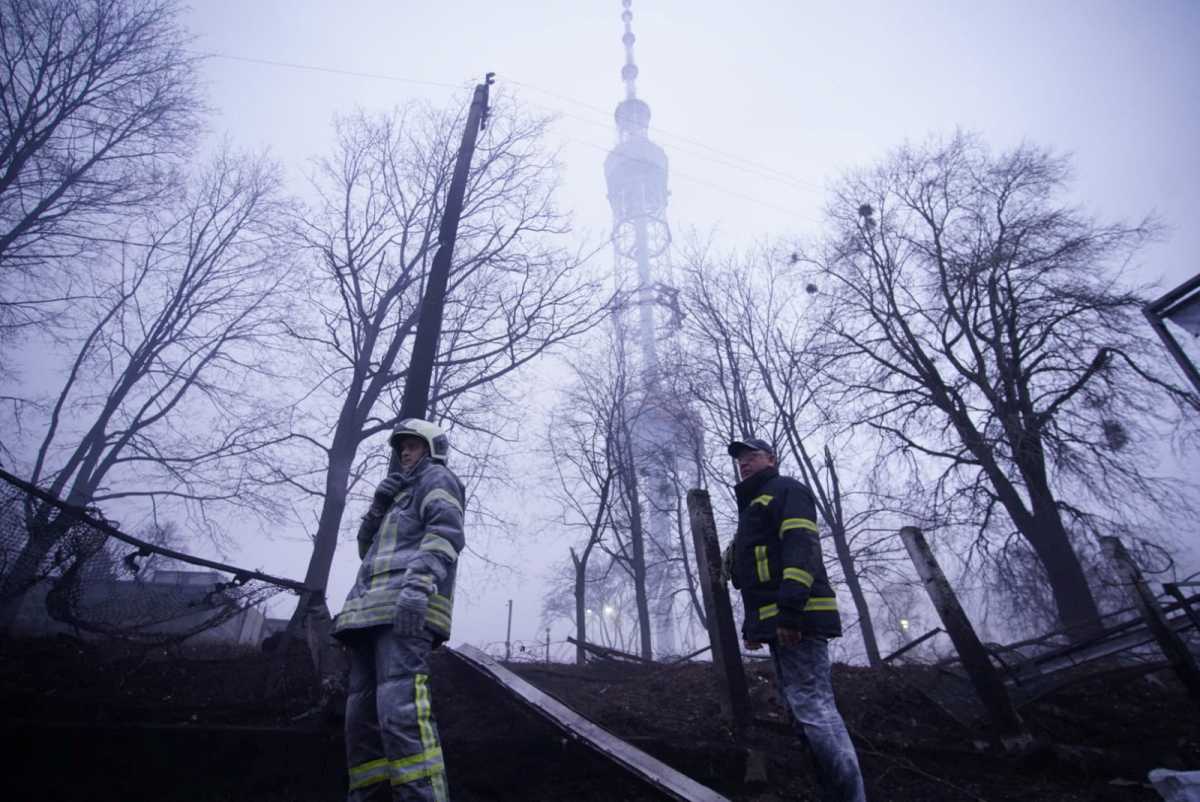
(984, 676)
(727, 654)
(1173, 646)
(508, 635)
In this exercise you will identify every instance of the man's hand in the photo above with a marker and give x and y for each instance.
(413, 603)
(386, 490)
(727, 563)
(753, 645)
(410, 612)
(788, 636)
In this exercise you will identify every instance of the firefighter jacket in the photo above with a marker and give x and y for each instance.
(421, 530)
(777, 563)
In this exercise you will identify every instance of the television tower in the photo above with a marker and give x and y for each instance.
(646, 319)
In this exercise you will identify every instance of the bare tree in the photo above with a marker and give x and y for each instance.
(757, 370)
(154, 404)
(984, 328)
(579, 436)
(514, 291)
(99, 100)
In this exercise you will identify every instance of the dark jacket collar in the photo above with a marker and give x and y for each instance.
(412, 474)
(747, 489)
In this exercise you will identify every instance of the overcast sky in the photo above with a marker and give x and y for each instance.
(759, 106)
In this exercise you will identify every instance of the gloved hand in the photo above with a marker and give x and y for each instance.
(412, 604)
(727, 564)
(385, 492)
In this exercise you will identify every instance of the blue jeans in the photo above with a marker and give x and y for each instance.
(392, 749)
(804, 675)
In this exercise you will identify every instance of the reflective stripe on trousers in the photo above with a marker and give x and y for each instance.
(804, 675)
(392, 747)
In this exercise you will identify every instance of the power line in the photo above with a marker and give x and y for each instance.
(771, 175)
(334, 70)
(743, 160)
(746, 166)
(728, 160)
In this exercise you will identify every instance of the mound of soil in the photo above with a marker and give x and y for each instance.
(82, 721)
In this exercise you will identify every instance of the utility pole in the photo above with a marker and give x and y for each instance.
(316, 620)
(415, 403)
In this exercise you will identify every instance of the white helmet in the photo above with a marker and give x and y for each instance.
(435, 438)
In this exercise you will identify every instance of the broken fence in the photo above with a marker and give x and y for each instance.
(67, 570)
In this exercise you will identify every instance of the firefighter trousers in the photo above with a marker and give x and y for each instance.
(392, 748)
(804, 674)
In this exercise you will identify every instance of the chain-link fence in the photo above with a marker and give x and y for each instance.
(65, 570)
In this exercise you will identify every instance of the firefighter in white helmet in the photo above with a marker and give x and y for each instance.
(397, 612)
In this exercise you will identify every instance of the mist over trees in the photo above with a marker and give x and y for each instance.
(185, 333)
(981, 328)
(515, 291)
(755, 366)
(178, 319)
(961, 349)
(210, 343)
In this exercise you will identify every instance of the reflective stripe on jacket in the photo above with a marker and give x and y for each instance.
(424, 524)
(777, 561)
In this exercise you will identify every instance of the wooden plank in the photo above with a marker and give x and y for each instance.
(635, 761)
(912, 644)
(608, 653)
(722, 632)
(1113, 643)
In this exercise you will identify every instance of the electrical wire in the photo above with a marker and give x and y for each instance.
(702, 182)
(332, 70)
(746, 166)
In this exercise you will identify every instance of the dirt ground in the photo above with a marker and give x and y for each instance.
(82, 722)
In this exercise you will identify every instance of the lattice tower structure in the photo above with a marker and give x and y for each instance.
(646, 320)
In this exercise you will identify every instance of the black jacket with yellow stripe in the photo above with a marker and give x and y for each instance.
(777, 562)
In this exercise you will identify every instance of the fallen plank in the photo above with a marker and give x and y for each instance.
(647, 768)
(608, 653)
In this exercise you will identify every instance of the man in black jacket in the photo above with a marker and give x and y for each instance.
(775, 561)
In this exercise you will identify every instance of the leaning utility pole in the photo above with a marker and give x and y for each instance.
(314, 619)
(415, 403)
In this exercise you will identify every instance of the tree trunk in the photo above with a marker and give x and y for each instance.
(337, 479)
(865, 626)
(1042, 528)
(1077, 608)
(841, 544)
(638, 542)
(1044, 531)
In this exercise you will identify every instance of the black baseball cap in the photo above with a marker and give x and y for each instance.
(751, 444)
